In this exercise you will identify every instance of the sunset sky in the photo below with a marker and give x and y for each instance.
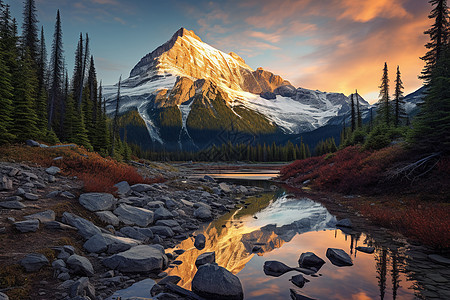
(329, 45)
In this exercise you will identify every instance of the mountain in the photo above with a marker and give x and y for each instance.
(190, 95)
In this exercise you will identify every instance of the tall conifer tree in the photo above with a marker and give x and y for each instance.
(384, 104)
(57, 69)
(30, 30)
(353, 114)
(399, 110)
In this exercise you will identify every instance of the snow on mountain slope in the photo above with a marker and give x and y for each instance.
(185, 67)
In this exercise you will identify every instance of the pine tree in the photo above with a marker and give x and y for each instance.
(358, 111)
(30, 30)
(5, 102)
(42, 93)
(399, 110)
(439, 34)
(384, 103)
(84, 61)
(353, 114)
(24, 114)
(57, 69)
(431, 127)
(116, 119)
(78, 77)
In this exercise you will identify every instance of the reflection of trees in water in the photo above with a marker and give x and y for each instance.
(381, 259)
(395, 273)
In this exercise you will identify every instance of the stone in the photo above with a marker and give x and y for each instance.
(141, 187)
(139, 259)
(368, 250)
(68, 195)
(214, 282)
(297, 296)
(43, 217)
(203, 213)
(134, 215)
(51, 179)
(97, 201)
(224, 187)
(80, 265)
(209, 178)
(162, 231)
(187, 203)
(63, 276)
(82, 287)
(53, 194)
(53, 170)
(32, 143)
(344, 223)
(200, 241)
(286, 91)
(169, 223)
(6, 184)
(29, 175)
(108, 217)
(439, 259)
(162, 214)
(154, 204)
(34, 262)
(3, 296)
(20, 192)
(85, 228)
(310, 260)
(205, 258)
(145, 231)
(31, 196)
(169, 279)
(58, 264)
(55, 225)
(134, 233)
(171, 204)
(275, 268)
(13, 172)
(13, 198)
(109, 243)
(123, 188)
(299, 280)
(339, 257)
(27, 226)
(12, 205)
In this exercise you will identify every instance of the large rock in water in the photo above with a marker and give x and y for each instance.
(205, 258)
(34, 262)
(200, 241)
(134, 215)
(275, 268)
(85, 228)
(97, 201)
(214, 282)
(310, 260)
(139, 259)
(339, 257)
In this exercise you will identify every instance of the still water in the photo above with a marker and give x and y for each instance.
(284, 227)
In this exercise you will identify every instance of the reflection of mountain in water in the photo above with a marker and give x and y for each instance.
(276, 224)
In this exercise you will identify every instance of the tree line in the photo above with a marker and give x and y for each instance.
(38, 99)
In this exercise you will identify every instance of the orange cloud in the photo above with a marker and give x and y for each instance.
(366, 10)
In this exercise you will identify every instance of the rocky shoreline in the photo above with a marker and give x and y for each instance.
(116, 240)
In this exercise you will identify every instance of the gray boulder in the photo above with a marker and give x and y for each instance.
(275, 268)
(123, 188)
(162, 231)
(55, 225)
(139, 259)
(109, 243)
(32, 143)
(80, 265)
(214, 282)
(85, 228)
(203, 213)
(3, 296)
(339, 257)
(209, 178)
(310, 260)
(27, 226)
(205, 258)
(200, 241)
(82, 287)
(34, 262)
(6, 184)
(162, 214)
(97, 201)
(108, 217)
(141, 187)
(169, 223)
(31, 196)
(134, 233)
(53, 170)
(224, 187)
(43, 217)
(12, 205)
(134, 215)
